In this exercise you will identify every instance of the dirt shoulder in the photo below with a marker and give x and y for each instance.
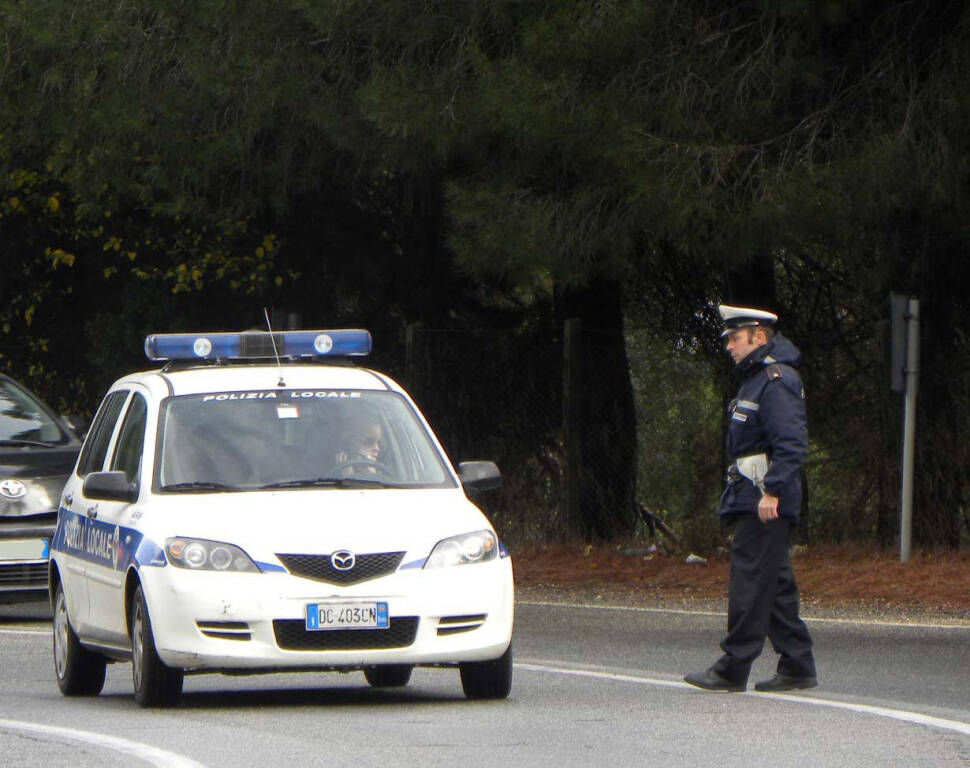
(835, 582)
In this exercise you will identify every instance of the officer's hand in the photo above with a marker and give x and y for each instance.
(768, 508)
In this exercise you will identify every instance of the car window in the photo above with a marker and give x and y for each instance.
(96, 444)
(22, 417)
(250, 440)
(128, 452)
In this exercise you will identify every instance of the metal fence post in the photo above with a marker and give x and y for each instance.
(410, 352)
(909, 430)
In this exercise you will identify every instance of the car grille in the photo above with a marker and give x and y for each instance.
(11, 515)
(320, 567)
(292, 635)
(20, 576)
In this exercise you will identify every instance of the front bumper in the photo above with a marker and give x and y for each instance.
(248, 622)
(24, 579)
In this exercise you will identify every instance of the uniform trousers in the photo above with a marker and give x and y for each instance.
(763, 602)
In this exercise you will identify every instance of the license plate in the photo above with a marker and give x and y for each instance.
(322, 616)
(25, 549)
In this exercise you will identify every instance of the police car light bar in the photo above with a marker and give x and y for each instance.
(252, 345)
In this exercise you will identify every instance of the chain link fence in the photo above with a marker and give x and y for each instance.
(497, 395)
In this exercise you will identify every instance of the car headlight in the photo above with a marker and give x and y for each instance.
(203, 555)
(477, 547)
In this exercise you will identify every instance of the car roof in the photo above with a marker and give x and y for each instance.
(255, 377)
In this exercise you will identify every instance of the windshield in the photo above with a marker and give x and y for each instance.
(291, 439)
(24, 420)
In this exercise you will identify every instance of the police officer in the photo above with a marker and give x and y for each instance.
(766, 443)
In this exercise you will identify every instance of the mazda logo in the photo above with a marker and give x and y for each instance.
(342, 560)
(12, 489)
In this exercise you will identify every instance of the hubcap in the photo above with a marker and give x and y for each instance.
(60, 634)
(136, 645)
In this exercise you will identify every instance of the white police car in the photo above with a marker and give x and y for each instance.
(261, 504)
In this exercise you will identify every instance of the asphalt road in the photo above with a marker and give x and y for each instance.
(593, 685)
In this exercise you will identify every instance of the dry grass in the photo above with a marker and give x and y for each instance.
(829, 577)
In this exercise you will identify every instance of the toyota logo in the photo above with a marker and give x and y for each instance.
(342, 560)
(12, 489)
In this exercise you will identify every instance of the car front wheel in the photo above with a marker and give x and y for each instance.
(156, 685)
(487, 679)
(79, 672)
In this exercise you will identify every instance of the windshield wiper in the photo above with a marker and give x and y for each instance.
(308, 483)
(327, 482)
(32, 443)
(199, 485)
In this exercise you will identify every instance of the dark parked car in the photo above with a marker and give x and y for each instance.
(38, 450)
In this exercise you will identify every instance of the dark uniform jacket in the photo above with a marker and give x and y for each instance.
(768, 416)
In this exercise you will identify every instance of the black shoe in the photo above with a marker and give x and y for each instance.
(782, 682)
(710, 680)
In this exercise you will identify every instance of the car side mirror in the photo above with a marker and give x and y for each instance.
(479, 475)
(77, 425)
(109, 486)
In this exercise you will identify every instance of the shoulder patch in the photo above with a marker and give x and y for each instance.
(774, 372)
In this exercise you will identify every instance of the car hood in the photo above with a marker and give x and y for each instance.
(266, 523)
(31, 479)
(26, 497)
(26, 461)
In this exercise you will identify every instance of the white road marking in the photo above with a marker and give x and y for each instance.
(916, 718)
(18, 631)
(143, 752)
(723, 614)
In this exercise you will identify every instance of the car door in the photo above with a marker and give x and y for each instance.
(110, 537)
(70, 536)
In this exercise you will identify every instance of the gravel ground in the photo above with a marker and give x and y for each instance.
(624, 598)
(835, 583)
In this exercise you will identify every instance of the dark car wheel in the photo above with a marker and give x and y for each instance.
(487, 679)
(388, 675)
(79, 672)
(155, 683)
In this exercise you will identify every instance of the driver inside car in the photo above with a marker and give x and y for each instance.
(364, 453)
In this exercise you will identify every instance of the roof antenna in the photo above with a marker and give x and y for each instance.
(272, 339)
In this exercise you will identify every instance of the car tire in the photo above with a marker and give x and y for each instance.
(79, 672)
(388, 675)
(487, 679)
(155, 683)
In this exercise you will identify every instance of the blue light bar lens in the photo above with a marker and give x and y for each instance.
(258, 345)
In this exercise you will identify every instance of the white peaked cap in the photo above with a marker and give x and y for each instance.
(744, 317)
